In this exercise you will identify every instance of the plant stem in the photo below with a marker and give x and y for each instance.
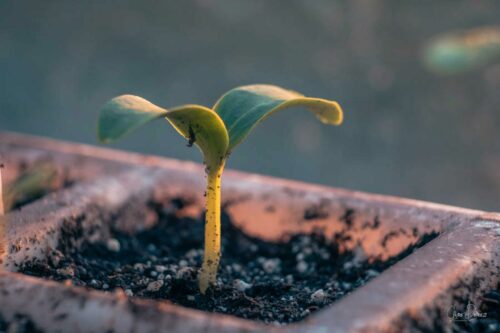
(2, 211)
(208, 272)
(3, 221)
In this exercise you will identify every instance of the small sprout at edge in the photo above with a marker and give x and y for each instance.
(3, 236)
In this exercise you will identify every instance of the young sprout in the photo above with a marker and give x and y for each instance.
(2, 210)
(3, 236)
(30, 185)
(216, 132)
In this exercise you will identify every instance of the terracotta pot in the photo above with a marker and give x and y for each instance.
(463, 261)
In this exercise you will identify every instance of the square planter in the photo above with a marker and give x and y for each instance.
(111, 187)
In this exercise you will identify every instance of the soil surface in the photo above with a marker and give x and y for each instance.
(269, 282)
(463, 317)
(20, 324)
(484, 318)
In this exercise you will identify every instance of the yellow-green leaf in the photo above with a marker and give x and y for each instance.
(244, 107)
(196, 123)
(203, 127)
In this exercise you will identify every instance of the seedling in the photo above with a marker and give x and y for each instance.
(30, 185)
(3, 236)
(2, 210)
(216, 132)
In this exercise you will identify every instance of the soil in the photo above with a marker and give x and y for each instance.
(461, 318)
(270, 282)
(20, 324)
(485, 318)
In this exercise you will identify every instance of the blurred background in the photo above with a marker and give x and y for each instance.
(408, 131)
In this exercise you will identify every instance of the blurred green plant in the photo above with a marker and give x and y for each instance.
(216, 132)
(459, 52)
(32, 184)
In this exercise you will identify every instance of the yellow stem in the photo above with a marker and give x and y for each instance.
(208, 272)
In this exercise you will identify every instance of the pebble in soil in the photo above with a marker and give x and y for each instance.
(269, 282)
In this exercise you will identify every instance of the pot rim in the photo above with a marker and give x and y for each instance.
(468, 238)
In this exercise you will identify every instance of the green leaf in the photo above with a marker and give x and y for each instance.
(462, 51)
(123, 114)
(244, 107)
(198, 124)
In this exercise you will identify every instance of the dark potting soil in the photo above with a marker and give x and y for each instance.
(484, 318)
(463, 317)
(270, 282)
(19, 324)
